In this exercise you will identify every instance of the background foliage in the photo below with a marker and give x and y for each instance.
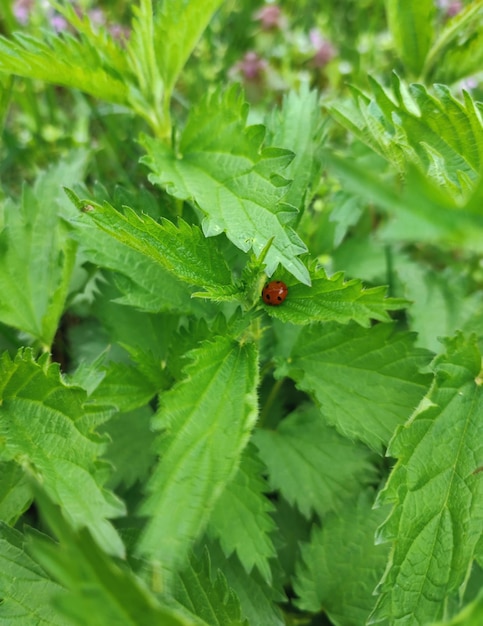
(172, 449)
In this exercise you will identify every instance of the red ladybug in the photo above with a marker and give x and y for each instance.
(274, 293)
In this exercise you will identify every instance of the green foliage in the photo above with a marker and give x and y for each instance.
(366, 381)
(410, 23)
(343, 549)
(220, 166)
(46, 427)
(435, 502)
(207, 419)
(173, 449)
(36, 256)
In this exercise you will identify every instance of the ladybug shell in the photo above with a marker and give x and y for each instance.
(274, 293)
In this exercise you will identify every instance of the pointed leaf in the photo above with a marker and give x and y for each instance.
(46, 427)
(221, 167)
(333, 299)
(437, 493)
(366, 381)
(411, 25)
(97, 586)
(298, 126)
(36, 256)
(181, 250)
(311, 464)
(206, 595)
(25, 589)
(207, 419)
(343, 549)
(240, 519)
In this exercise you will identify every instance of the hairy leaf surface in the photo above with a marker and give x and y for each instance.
(333, 299)
(207, 419)
(312, 465)
(96, 585)
(221, 167)
(240, 519)
(207, 594)
(47, 427)
(366, 381)
(25, 589)
(436, 492)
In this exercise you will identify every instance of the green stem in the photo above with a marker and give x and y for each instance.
(264, 413)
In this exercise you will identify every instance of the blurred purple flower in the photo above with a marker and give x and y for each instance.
(269, 16)
(251, 66)
(58, 23)
(324, 50)
(454, 8)
(21, 10)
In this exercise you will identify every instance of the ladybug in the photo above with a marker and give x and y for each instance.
(274, 293)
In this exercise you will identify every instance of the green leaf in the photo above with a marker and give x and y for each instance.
(36, 256)
(178, 25)
(130, 448)
(411, 23)
(221, 167)
(47, 428)
(25, 588)
(442, 302)
(366, 381)
(470, 615)
(258, 599)
(207, 419)
(333, 299)
(440, 135)
(240, 519)
(422, 212)
(343, 549)
(311, 465)
(180, 250)
(97, 586)
(207, 596)
(457, 51)
(436, 492)
(15, 492)
(298, 126)
(66, 60)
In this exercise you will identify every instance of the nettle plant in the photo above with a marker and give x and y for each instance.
(209, 455)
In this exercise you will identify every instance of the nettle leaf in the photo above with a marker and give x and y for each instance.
(436, 491)
(36, 256)
(366, 381)
(333, 299)
(96, 586)
(298, 126)
(442, 302)
(25, 589)
(343, 549)
(178, 25)
(207, 419)
(180, 250)
(67, 60)
(458, 51)
(46, 426)
(422, 212)
(221, 167)
(470, 615)
(439, 134)
(206, 595)
(240, 519)
(15, 492)
(311, 465)
(411, 23)
(258, 599)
